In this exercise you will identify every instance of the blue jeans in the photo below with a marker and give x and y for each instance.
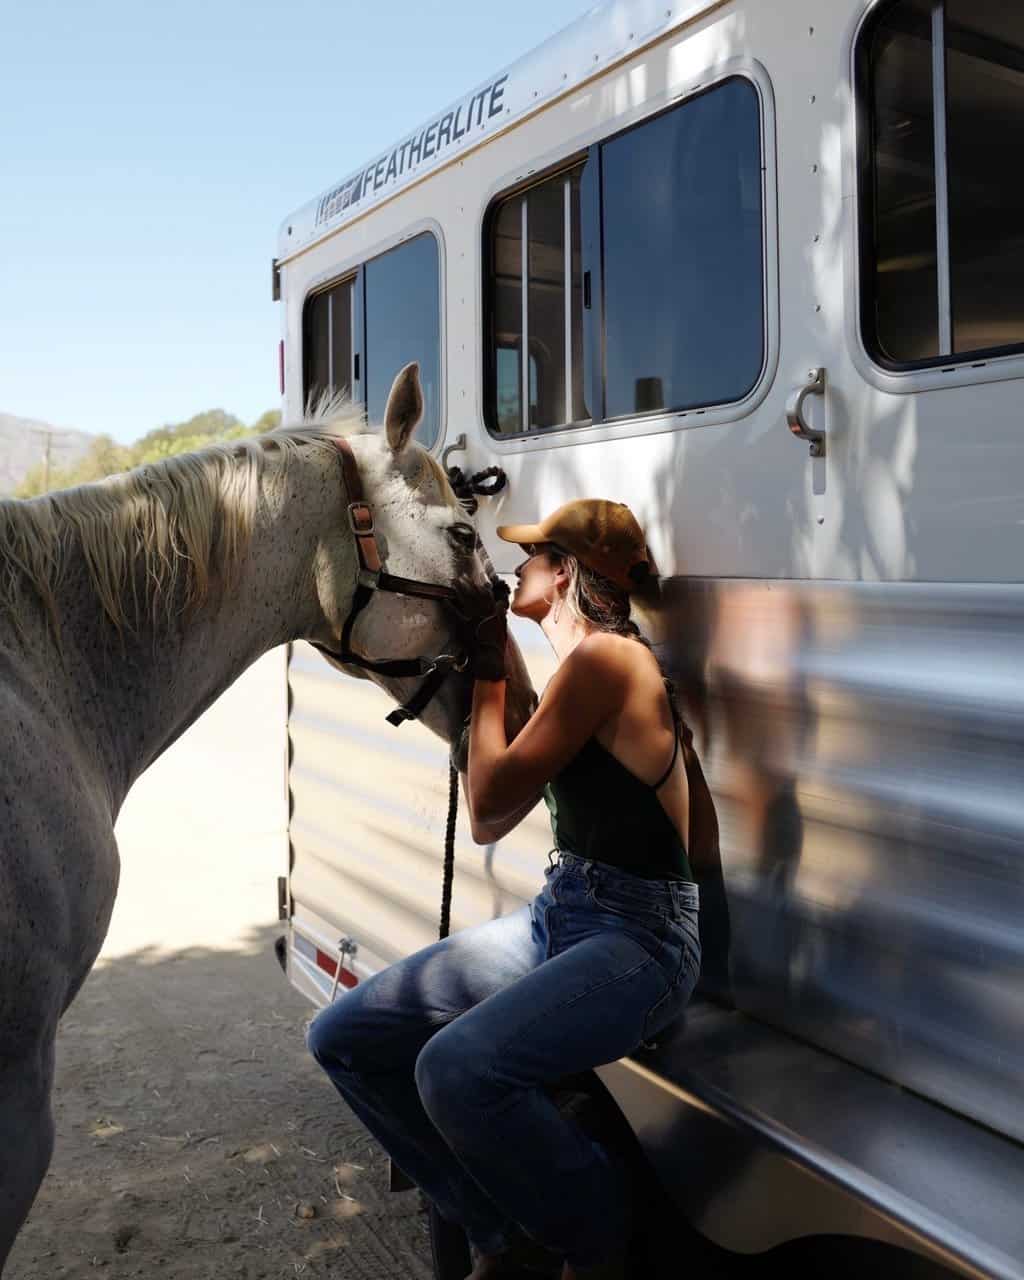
(444, 1055)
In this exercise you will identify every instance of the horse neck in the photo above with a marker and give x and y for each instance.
(131, 697)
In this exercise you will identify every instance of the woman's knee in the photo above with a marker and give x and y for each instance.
(332, 1035)
(453, 1078)
(317, 1039)
(358, 1033)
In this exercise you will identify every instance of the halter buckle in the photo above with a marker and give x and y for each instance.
(448, 662)
(360, 519)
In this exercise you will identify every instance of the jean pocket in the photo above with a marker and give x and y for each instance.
(625, 900)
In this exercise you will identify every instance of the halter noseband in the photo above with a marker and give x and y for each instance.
(373, 577)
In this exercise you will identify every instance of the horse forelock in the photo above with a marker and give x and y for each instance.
(180, 526)
(444, 484)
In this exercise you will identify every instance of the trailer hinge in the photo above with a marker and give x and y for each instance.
(282, 898)
(275, 280)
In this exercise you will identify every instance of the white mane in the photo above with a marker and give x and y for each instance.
(180, 526)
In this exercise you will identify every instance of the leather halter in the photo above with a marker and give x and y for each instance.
(373, 577)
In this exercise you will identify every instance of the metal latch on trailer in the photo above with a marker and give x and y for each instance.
(795, 419)
(346, 947)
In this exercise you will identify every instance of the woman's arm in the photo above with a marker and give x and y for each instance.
(490, 832)
(588, 687)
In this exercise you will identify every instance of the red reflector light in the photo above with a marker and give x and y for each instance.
(330, 966)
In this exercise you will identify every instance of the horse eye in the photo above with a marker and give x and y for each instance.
(463, 535)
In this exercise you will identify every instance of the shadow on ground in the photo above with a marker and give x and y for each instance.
(196, 1137)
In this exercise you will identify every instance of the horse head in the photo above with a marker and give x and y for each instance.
(419, 533)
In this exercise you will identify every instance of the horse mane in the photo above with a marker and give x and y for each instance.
(179, 526)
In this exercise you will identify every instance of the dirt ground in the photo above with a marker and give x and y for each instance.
(196, 1137)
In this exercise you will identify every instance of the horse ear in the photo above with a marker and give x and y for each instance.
(404, 408)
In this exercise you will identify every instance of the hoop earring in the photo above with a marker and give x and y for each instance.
(557, 613)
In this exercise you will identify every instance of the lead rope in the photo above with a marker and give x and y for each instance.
(467, 486)
(449, 851)
(484, 483)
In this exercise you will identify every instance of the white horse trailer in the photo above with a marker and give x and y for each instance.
(758, 271)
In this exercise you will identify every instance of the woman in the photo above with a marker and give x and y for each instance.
(444, 1056)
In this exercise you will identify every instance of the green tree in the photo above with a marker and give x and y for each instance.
(268, 421)
(106, 457)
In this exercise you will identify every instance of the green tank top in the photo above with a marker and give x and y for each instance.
(602, 811)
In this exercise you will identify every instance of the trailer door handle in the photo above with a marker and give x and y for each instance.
(795, 420)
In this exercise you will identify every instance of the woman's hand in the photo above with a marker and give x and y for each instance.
(484, 610)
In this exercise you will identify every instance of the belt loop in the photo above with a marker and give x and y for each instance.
(553, 862)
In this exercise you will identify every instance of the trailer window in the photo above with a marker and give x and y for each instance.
(328, 341)
(536, 236)
(359, 332)
(634, 280)
(942, 88)
(682, 255)
(403, 323)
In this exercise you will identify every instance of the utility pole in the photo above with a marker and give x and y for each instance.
(47, 435)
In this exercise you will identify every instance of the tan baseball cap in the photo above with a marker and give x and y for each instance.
(603, 535)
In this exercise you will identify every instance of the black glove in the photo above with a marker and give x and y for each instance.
(484, 613)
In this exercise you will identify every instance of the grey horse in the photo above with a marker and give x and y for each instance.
(126, 608)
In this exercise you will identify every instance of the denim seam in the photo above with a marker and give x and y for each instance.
(685, 952)
(566, 1004)
(657, 930)
(651, 1013)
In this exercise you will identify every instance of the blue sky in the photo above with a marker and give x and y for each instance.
(150, 152)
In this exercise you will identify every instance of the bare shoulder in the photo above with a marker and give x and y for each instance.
(630, 674)
(605, 651)
(602, 655)
(596, 672)
(607, 668)
(607, 646)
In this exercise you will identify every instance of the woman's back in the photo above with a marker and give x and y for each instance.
(642, 737)
(623, 799)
